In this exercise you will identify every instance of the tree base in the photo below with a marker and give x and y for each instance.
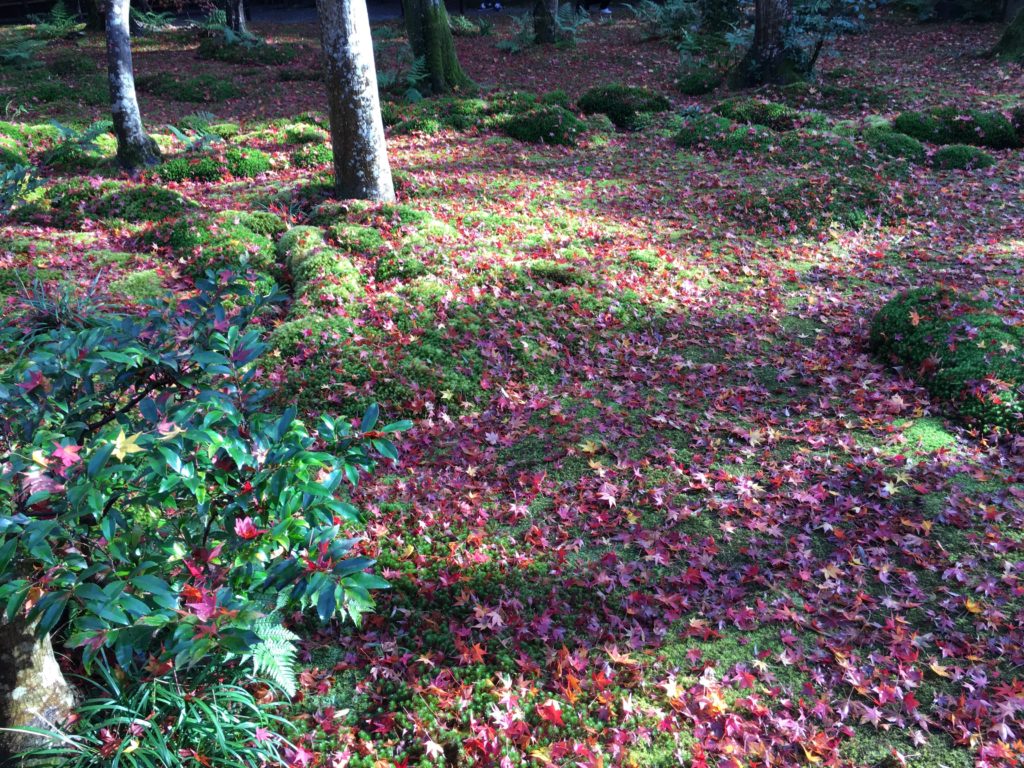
(1011, 45)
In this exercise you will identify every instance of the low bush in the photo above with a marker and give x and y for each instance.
(960, 349)
(950, 125)
(544, 125)
(962, 157)
(624, 104)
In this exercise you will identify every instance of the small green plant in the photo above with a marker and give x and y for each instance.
(961, 157)
(21, 54)
(152, 21)
(16, 183)
(75, 148)
(550, 124)
(624, 104)
(522, 36)
(463, 27)
(674, 20)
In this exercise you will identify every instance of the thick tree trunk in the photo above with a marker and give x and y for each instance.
(545, 21)
(135, 148)
(767, 61)
(1011, 44)
(430, 37)
(33, 692)
(361, 168)
(236, 17)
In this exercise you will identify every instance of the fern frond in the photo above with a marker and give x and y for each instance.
(275, 655)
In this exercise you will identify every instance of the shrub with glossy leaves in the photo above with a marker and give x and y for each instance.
(960, 349)
(149, 434)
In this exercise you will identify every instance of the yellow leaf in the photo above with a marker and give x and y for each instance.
(126, 445)
(973, 605)
(938, 669)
(171, 433)
(541, 756)
(40, 458)
(132, 746)
(590, 446)
(811, 757)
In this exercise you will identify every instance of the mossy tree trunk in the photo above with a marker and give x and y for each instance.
(33, 691)
(545, 21)
(767, 62)
(1011, 44)
(135, 148)
(235, 13)
(430, 37)
(361, 168)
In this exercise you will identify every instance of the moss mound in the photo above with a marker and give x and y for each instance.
(957, 157)
(894, 144)
(202, 89)
(312, 156)
(699, 81)
(222, 241)
(246, 163)
(142, 203)
(770, 114)
(960, 349)
(549, 124)
(629, 107)
(190, 168)
(951, 125)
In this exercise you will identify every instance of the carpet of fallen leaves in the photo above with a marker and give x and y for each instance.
(715, 531)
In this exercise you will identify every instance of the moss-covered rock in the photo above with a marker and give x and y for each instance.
(298, 244)
(624, 104)
(961, 349)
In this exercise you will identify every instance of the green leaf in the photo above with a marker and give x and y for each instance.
(369, 418)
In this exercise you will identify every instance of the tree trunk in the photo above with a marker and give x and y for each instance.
(767, 61)
(430, 37)
(361, 168)
(236, 17)
(545, 21)
(33, 692)
(1011, 44)
(135, 148)
(93, 14)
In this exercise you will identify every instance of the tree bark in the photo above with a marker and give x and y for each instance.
(361, 168)
(430, 37)
(767, 62)
(135, 148)
(1011, 44)
(545, 21)
(236, 17)
(33, 691)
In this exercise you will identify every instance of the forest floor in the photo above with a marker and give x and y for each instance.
(661, 504)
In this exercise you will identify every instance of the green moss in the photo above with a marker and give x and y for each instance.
(202, 89)
(928, 434)
(870, 746)
(194, 168)
(624, 104)
(544, 125)
(72, 63)
(894, 144)
(770, 114)
(304, 133)
(298, 244)
(246, 163)
(313, 156)
(399, 265)
(13, 280)
(142, 203)
(961, 157)
(11, 152)
(949, 125)
(221, 242)
(139, 286)
(546, 270)
(698, 81)
(246, 52)
(262, 222)
(355, 238)
(960, 349)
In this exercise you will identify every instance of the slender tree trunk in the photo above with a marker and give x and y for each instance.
(236, 17)
(33, 691)
(135, 148)
(767, 61)
(361, 168)
(430, 36)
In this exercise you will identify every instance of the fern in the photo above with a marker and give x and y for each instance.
(16, 182)
(275, 654)
(74, 142)
(21, 54)
(56, 24)
(417, 73)
(522, 34)
(151, 21)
